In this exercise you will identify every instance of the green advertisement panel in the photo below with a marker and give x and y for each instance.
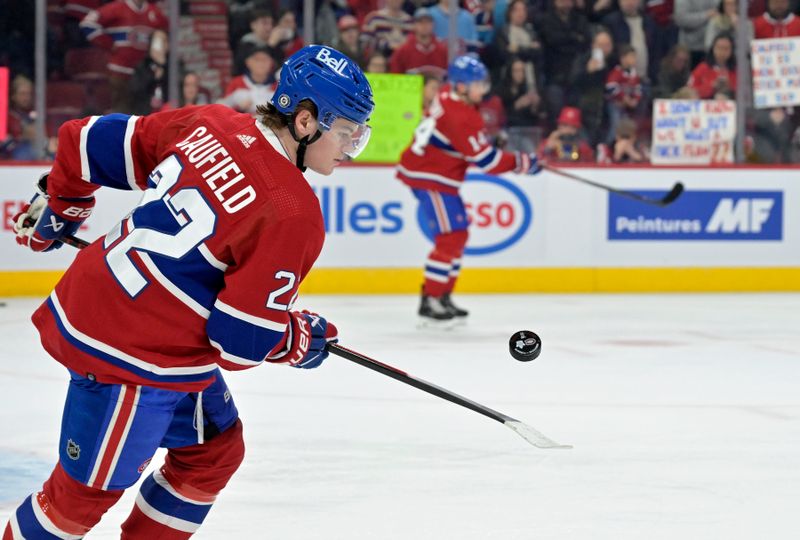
(398, 109)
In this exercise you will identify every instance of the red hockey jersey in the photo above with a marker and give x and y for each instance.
(203, 272)
(125, 29)
(447, 141)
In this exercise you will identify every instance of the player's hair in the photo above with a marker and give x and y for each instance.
(272, 118)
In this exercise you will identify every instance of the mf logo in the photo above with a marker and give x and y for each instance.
(744, 215)
(699, 215)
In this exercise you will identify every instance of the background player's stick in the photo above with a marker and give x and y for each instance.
(523, 430)
(669, 198)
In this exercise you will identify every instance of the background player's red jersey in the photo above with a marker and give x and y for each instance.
(226, 230)
(450, 139)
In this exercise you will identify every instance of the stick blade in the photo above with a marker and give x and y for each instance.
(673, 194)
(534, 437)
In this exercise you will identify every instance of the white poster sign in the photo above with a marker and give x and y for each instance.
(776, 72)
(693, 132)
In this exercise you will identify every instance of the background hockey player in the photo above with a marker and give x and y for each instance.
(449, 140)
(202, 274)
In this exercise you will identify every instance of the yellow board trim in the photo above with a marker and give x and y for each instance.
(501, 280)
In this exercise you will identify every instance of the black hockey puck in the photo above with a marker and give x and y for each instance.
(525, 345)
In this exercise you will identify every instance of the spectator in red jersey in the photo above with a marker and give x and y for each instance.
(422, 52)
(727, 22)
(284, 37)
(386, 29)
(623, 89)
(566, 144)
(347, 41)
(256, 86)
(74, 12)
(124, 26)
(777, 21)
(717, 74)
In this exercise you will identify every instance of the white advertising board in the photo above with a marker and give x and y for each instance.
(726, 217)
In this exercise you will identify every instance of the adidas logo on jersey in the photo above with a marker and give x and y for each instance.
(246, 140)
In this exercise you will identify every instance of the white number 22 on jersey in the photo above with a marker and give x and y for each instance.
(190, 210)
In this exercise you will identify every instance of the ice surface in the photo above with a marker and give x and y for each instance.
(684, 411)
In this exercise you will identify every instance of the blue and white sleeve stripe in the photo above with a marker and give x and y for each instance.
(241, 338)
(486, 159)
(105, 148)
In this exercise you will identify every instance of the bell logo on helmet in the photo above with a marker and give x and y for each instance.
(284, 100)
(337, 65)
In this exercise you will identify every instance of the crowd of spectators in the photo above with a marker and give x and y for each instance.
(574, 79)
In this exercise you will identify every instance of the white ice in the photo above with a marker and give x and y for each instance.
(684, 411)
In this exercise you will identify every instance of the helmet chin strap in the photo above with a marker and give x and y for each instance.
(302, 144)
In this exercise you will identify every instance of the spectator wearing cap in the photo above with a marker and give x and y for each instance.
(422, 51)
(566, 143)
(466, 30)
(777, 21)
(386, 29)
(262, 22)
(256, 86)
(348, 42)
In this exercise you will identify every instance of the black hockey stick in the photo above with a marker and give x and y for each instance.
(523, 430)
(669, 198)
(69, 240)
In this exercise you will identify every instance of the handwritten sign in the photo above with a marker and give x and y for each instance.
(776, 72)
(398, 109)
(693, 131)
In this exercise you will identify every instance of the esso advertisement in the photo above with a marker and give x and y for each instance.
(499, 214)
(699, 215)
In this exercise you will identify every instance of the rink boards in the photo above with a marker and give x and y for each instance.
(733, 229)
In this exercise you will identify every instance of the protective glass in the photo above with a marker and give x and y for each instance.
(352, 138)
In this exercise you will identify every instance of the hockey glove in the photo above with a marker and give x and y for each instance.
(528, 163)
(45, 220)
(310, 334)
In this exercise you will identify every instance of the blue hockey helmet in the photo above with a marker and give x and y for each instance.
(467, 69)
(335, 84)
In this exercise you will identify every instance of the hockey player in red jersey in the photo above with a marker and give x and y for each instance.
(202, 274)
(449, 140)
